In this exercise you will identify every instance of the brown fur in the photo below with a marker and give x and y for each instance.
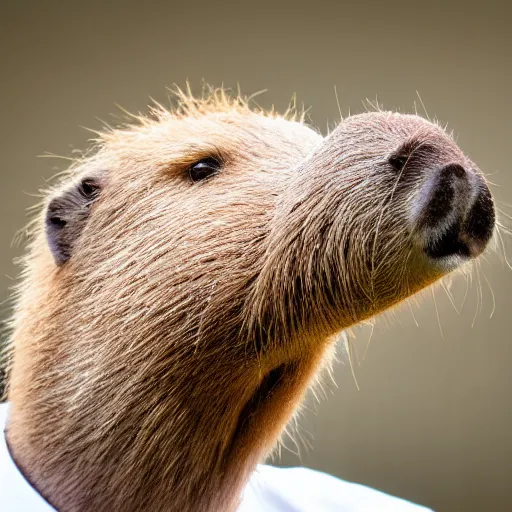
(158, 366)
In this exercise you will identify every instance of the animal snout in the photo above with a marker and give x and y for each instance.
(454, 213)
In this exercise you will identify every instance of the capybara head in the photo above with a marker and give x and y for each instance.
(185, 281)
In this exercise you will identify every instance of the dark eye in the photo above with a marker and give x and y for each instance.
(398, 161)
(204, 169)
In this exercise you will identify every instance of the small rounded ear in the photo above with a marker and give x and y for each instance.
(66, 217)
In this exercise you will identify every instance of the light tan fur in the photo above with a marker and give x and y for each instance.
(159, 365)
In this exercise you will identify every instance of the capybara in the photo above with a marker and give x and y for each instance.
(185, 280)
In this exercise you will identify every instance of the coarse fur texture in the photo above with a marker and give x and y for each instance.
(158, 357)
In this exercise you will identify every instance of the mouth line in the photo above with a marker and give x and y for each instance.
(450, 243)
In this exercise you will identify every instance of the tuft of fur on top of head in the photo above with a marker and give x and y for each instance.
(184, 104)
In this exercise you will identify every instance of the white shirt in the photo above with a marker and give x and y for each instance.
(270, 489)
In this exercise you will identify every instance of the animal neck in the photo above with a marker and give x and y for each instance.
(156, 439)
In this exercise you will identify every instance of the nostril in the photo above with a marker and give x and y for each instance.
(454, 213)
(447, 243)
(453, 170)
(441, 195)
(481, 217)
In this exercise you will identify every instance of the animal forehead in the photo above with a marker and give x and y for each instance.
(223, 130)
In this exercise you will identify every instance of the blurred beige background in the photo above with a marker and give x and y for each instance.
(432, 421)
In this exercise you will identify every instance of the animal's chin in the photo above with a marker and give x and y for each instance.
(450, 262)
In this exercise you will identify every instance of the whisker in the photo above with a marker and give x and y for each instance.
(338, 103)
(48, 154)
(498, 232)
(412, 313)
(492, 294)
(423, 105)
(478, 295)
(350, 353)
(450, 296)
(467, 276)
(437, 312)
(369, 340)
(507, 230)
(502, 212)
(479, 273)
(504, 203)
(382, 210)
